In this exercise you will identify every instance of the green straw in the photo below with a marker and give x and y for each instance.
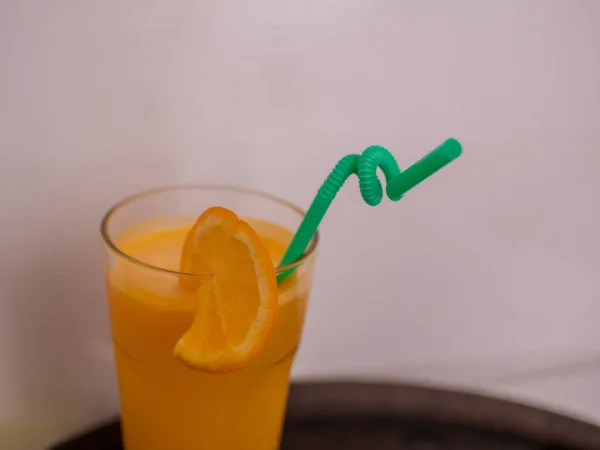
(365, 167)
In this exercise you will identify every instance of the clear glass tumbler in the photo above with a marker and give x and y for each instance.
(164, 404)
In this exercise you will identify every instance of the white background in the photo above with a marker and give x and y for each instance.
(485, 276)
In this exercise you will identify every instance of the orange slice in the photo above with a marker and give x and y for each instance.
(238, 305)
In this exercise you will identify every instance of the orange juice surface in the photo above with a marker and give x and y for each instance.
(166, 405)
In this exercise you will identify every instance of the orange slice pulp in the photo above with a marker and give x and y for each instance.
(238, 304)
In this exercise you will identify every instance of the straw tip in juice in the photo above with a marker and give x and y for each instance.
(237, 307)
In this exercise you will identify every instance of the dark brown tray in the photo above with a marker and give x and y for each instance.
(361, 416)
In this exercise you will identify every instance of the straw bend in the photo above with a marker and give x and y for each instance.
(365, 167)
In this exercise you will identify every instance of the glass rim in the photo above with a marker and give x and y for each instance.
(104, 224)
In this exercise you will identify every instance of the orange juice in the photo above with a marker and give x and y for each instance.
(166, 405)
